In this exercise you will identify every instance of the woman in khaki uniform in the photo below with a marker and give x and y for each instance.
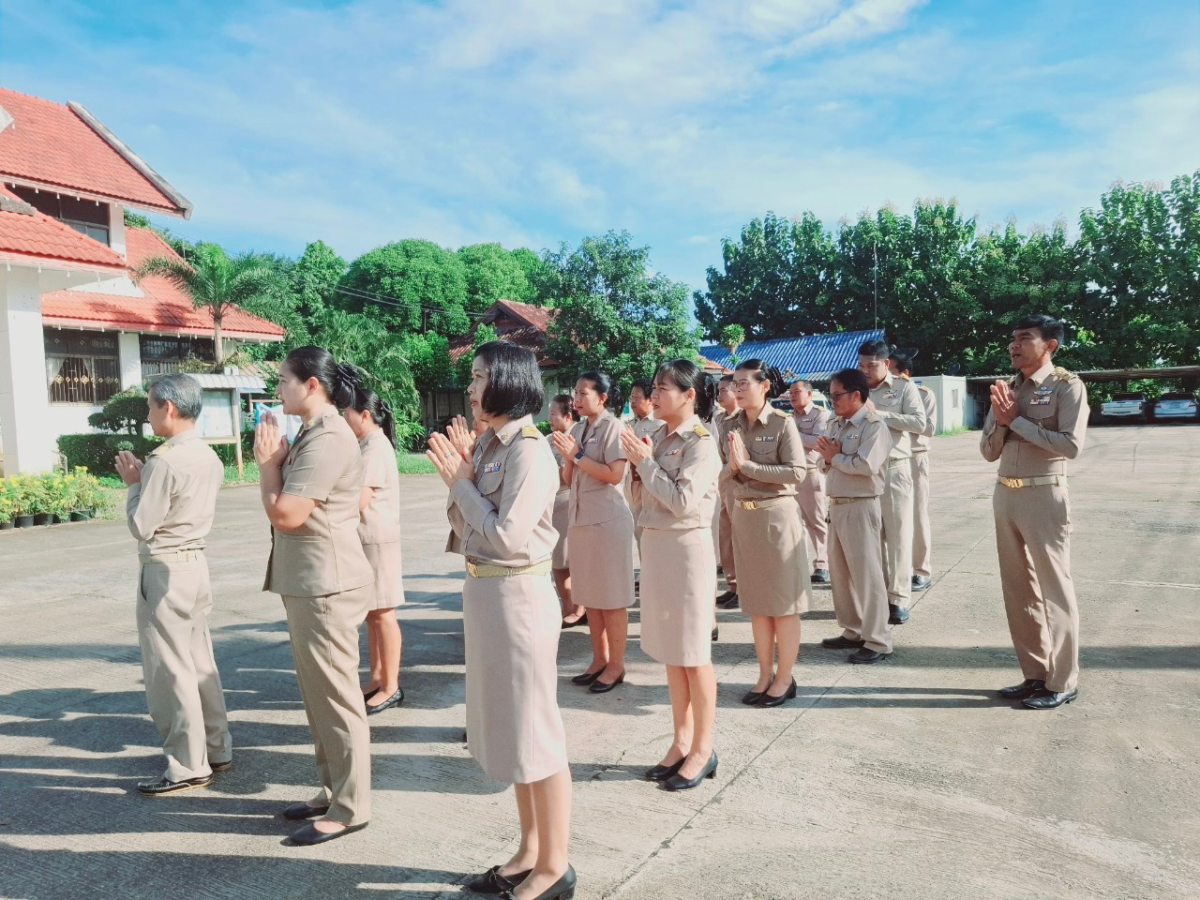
(726, 410)
(562, 420)
(370, 418)
(765, 462)
(501, 510)
(311, 493)
(679, 468)
(601, 528)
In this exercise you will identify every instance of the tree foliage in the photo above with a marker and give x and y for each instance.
(410, 285)
(493, 273)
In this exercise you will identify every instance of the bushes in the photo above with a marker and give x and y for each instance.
(95, 452)
(57, 494)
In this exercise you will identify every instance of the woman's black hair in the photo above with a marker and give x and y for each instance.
(605, 385)
(339, 382)
(763, 372)
(566, 406)
(687, 376)
(366, 400)
(514, 380)
(853, 381)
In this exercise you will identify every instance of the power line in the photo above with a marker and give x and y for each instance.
(384, 300)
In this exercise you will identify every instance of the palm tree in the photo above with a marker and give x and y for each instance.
(214, 281)
(732, 337)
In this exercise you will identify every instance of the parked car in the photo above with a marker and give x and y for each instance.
(818, 398)
(1176, 405)
(1126, 407)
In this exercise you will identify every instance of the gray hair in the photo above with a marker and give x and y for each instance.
(180, 389)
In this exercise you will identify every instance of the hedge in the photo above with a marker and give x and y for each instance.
(96, 452)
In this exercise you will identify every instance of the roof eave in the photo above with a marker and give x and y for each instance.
(53, 321)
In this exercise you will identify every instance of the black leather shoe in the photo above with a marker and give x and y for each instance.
(219, 767)
(309, 836)
(841, 643)
(1024, 690)
(395, 700)
(367, 695)
(662, 773)
(716, 633)
(1051, 699)
(728, 600)
(897, 615)
(751, 698)
(582, 620)
(679, 783)
(867, 656)
(586, 677)
(563, 889)
(492, 882)
(298, 811)
(920, 583)
(820, 576)
(769, 699)
(601, 687)
(163, 786)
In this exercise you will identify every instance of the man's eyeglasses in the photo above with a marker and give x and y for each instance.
(840, 394)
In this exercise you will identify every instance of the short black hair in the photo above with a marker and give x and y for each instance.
(724, 378)
(1050, 328)
(645, 385)
(902, 360)
(565, 404)
(764, 372)
(875, 349)
(853, 381)
(514, 381)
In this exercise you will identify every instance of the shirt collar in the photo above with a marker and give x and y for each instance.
(511, 428)
(763, 416)
(319, 418)
(687, 425)
(184, 436)
(858, 417)
(1040, 375)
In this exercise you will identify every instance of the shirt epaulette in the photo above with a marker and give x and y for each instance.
(871, 416)
(530, 431)
(161, 449)
(701, 431)
(1064, 374)
(780, 412)
(921, 387)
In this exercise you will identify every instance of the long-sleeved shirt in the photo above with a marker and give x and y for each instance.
(812, 423)
(679, 480)
(1049, 430)
(899, 407)
(857, 471)
(172, 508)
(776, 462)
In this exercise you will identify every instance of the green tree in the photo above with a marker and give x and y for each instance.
(462, 368)
(315, 277)
(493, 273)
(732, 337)
(410, 285)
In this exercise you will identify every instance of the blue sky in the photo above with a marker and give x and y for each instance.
(532, 122)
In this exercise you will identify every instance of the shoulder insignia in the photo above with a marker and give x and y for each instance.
(530, 431)
(871, 416)
(1064, 374)
(161, 449)
(701, 431)
(781, 413)
(921, 387)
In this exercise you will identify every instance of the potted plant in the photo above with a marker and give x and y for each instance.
(6, 510)
(21, 493)
(83, 495)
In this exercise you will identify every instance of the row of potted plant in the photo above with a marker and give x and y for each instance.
(27, 500)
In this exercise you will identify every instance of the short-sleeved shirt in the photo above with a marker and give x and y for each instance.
(324, 555)
(594, 502)
(379, 523)
(900, 408)
(812, 423)
(505, 516)
(923, 440)
(679, 481)
(172, 508)
(1049, 430)
(560, 462)
(857, 471)
(776, 461)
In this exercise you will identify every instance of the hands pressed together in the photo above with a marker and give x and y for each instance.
(451, 452)
(636, 449)
(565, 444)
(1004, 403)
(738, 456)
(270, 447)
(129, 467)
(828, 448)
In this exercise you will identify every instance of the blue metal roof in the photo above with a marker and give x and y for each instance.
(814, 357)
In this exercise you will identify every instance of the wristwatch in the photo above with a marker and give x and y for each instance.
(579, 456)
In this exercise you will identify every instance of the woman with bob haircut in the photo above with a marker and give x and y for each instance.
(501, 512)
(679, 470)
(563, 419)
(311, 493)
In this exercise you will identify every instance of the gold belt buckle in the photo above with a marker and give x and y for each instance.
(749, 504)
(1011, 482)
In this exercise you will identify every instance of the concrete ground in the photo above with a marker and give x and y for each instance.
(907, 779)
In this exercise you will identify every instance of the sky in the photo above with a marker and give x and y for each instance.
(537, 122)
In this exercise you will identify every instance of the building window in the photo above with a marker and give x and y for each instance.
(85, 216)
(81, 366)
(163, 355)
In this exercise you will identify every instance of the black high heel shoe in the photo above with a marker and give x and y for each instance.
(662, 773)
(771, 700)
(679, 783)
(603, 687)
(751, 698)
(395, 700)
(586, 678)
(563, 889)
(492, 882)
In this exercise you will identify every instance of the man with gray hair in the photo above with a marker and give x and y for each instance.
(171, 506)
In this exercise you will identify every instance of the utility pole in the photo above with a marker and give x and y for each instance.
(875, 253)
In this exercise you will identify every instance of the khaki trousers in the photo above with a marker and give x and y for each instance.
(183, 689)
(810, 494)
(922, 532)
(725, 539)
(1033, 541)
(324, 633)
(856, 573)
(896, 507)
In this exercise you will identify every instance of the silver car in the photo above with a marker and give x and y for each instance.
(1176, 406)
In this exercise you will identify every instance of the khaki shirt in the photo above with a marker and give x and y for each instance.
(679, 481)
(558, 458)
(1049, 430)
(899, 406)
(505, 517)
(379, 523)
(324, 555)
(857, 471)
(594, 502)
(925, 438)
(642, 428)
(172, 508)
(776, 461)
(812, 423)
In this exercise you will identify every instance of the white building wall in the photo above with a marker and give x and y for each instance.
(28, 436)
(129, 351)
(950, 391)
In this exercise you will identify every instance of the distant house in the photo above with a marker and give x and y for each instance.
(813, 357)
(74, 328)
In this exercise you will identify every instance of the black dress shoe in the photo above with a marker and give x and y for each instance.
(769, 699)
(219, 767)
(367, 695)
(751, 698)
(1024, 690)
(841, 643)
(309, 836)
(586, 677)
(716, 633)
(601, 687)
(165, 786)
(582, 620)
(820, 576)
(897, 615)
(298, 811)
(866, 656)
(728, 600)
(920, 582)
(492, 882)
(679, 783)
(1051, 699)
(395, 700)
(662, 773)
(563, 889)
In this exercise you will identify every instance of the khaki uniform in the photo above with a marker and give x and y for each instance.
(922, 530)
(562, 519)
(855, 480)
(1033, 521)
(810, 493)
(379, 523)
(725, 502)
(502, 523)
(679, 573)
(643, 428)
(170, 512)
(768, 539)
(327, 586)
(601, 525)
(899, 407)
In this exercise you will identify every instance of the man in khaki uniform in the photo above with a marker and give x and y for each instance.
(1036, 423)
(898, 406)
(900, 365)
(644, 425)
(721, 419)
(812, 421)
(854, 455)
(171, 505)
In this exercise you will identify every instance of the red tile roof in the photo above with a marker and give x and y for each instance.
(164, 308)
(537, 316)
(530, 332)
(51, 145)
(28, 237)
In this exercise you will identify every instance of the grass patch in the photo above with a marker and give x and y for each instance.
(950, 432)
(249, 476)
(414, 464)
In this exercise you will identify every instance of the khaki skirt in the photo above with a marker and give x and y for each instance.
(389, 583)
(772, 561)
(679, 580)
(602, 563)
(512, 626)
(561, 522)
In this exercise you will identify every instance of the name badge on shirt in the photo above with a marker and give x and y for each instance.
(765, 439)
(889, 396)
(1042, 396)
(673, 452)
(491, 467)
